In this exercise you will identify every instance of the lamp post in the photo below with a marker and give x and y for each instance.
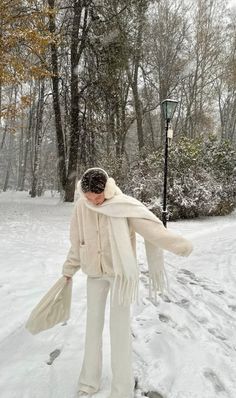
(168, 109)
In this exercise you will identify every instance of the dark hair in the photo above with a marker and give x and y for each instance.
(93, 180)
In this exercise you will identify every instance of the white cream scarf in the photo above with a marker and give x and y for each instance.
(118, 208)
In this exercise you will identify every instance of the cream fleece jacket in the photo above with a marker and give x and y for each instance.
(90, 248)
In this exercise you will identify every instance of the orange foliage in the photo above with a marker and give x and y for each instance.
(24, 41)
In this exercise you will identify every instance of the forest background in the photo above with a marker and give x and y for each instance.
(81, 83)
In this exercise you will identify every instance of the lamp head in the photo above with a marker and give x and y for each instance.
(168, 108)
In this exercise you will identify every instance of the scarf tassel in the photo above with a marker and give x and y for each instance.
(158, 282)
(126, 290)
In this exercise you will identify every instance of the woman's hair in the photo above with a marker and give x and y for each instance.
(94, 180)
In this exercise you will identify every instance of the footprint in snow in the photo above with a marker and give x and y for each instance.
(219, 292)
(53, 355)
(201, 319)
(214, 379)
(197, 281)
(190, 274)
(183, 303)
(216, 334)
(232, 307)
(165, 298)
(166, 319)
(182, 280)
(187, 277)
(153, 394)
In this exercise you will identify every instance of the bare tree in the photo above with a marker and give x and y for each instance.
(204, 57)
(38, 137)
(79, 32)
(56, 97)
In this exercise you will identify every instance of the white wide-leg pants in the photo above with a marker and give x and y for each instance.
(122, 385)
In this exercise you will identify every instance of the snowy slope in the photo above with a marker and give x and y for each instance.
(184, 347)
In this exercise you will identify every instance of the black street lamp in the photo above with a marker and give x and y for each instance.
(168, 109)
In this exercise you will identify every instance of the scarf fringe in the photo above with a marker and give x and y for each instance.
(125, 290)
(158, 282)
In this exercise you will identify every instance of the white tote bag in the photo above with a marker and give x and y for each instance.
(53, 308)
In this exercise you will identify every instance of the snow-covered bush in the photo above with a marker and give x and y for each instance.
(144, 180)
(201, 178)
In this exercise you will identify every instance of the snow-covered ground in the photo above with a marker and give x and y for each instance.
(184, 347)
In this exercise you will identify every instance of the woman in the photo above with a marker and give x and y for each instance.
(102, 234)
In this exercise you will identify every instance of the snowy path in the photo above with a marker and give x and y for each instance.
(184, 347)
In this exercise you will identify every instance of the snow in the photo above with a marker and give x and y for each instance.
(184, 346)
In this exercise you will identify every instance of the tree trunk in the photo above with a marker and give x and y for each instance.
(133, 80)
(76, 52)
(7, 121)
(7, 176)
(56, 101)
(149, 119)
(38, 140)
(139, 115)
(27, 141)
(12, 126)
(21, 149)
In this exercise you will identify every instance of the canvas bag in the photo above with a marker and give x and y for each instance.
(53, 308)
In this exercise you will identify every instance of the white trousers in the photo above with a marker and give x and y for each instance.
(122, 385)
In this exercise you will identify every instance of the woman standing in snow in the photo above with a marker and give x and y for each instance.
(102, 234)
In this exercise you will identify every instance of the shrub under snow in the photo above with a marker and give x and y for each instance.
(201, 179)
